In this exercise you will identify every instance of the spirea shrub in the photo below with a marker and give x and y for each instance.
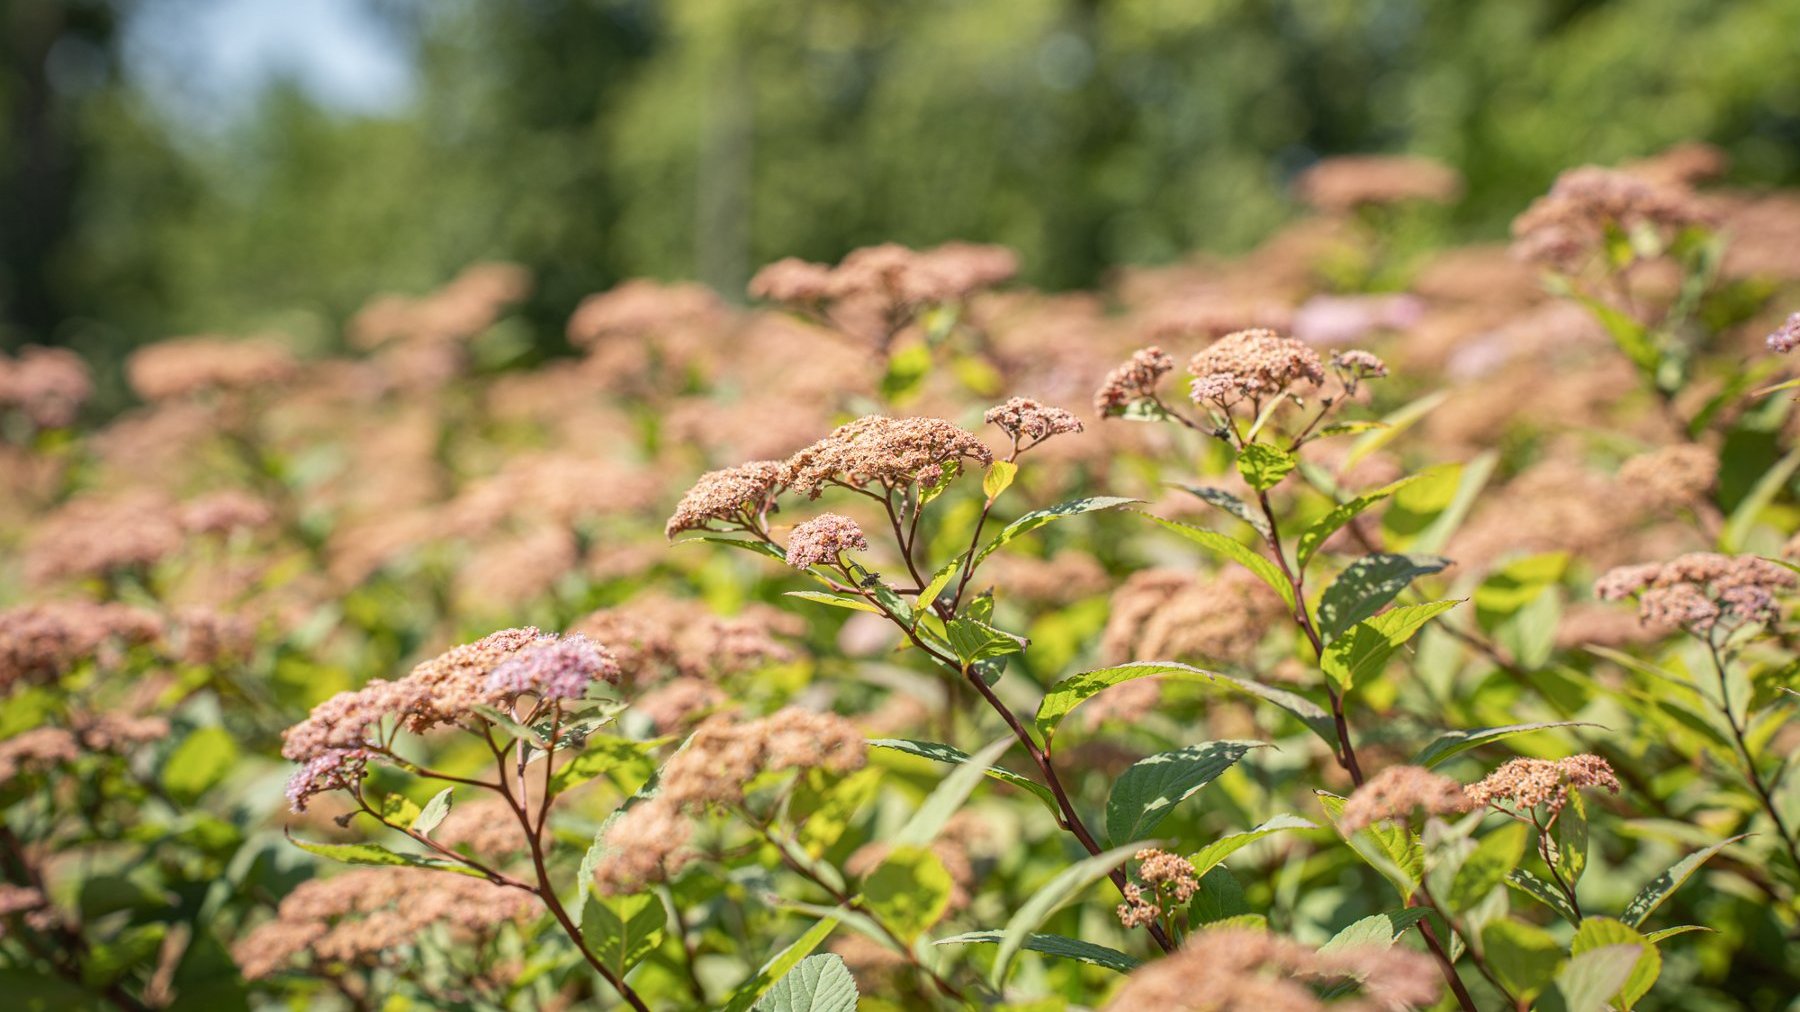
(1357, 624)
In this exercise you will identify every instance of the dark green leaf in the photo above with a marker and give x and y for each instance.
(1038, 518)
(1146, 793)
(821, 983)
(1263, 466)
(1367, 585)
(1054, 945)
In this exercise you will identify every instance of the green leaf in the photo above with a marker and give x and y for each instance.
(939, 580)
(1523, 956)
(744, 998)
(1230, 504)
(1217, 851)
(375, 853)
(505, 722)
(1332, 522)
(621, 930)
(1367, 585)
(1659, 888)
(952, 470)
(201, 760)
(1263, 466)
(107, 961)
(887, 599)
(999, 478)
(1392, 850)
(762, 548)
(1220, 898)
(1376, 929)
(1679, 929)
(909, 891)
(1743, 518)
(1542, 891)
(603, 753)
(1049, 898)
(1572, 839)
(950, 754)
(1038, 518)
(975, 640)
(1632, 337)
(1486, 867)
(1451, 744)
(1364, 650)
(1068, 693)
(1055, 945)
(1587, 982)
(1517, 584)
(821, 983)
(432, 815)
(1243, 555)
(1392, 425)
(1447, 518)
(1309, 713)
(929, 820)
(823, 804)
(1600, 932)
(1145, 794)
(835, 600)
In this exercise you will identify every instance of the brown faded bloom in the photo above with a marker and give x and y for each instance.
(1699, 590)
(1139, 907)
(182, 368)
(886, 452)
(1134, 381)
(648, 843)
(94, 536)
(46, 385)
(1351, 181)
(823, 540)
(722, 755)
(639, 308)
(35, 751)
(1164, 613)
(1252, 970)
(1252, 364)
(739, 496)
(41, 642)
(221, 513)
(366, 915)
(1786, 337)
(1671, 477)
(1570, 224)
(1525, 784)
(485, 827)
(1027, 421)
(1396, 792)
(656, 638)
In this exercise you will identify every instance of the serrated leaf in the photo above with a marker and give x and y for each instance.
(1572, 839)
(1524, 881)
(821, 983)
(1523, 956)
(1230, 504)
(975, 640)
(1149, 790)
(1451, 744)
(835, 600)
(909, 891)
(602, 753)
(948, 796)
(1068, 693)
(939, 580)
(1367, 585)
(762, 548)
(1486, 867)
(1217, 851)
(376, 854)
(1329, 524)
(1392, 850)
(999, 478)
(1054, 945)
(621, 930)
(1263, 466)
(432, 815)
(1600, 932)
(745, 997)
(1376, 929)
(955, 756)
(1586, 982)
(1679, 929)
(1038, 518)
(1067, 884)
(1659, 888)
(1243, 555)
(1362, 652)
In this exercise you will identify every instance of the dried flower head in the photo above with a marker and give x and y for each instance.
(1671, 477)
(1567, 226)
(1132, 382)
(1165, 613)
(740, 496)
(1395, 793)
(722, 755)
(1700, 590)
(648, 843)
(1026, 420)
(189, 366)
(1531, 783)
(223, 512)
(655, 638)
(1254, 365)
(35, 751)
(1351, 181)
(40, 642)
(1251, 970)
(639, 308)
(47, 386)
(888, 452)
(1786, 337)
(823, 540)
(560, 668)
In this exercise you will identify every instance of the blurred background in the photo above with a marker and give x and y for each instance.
(178, 166)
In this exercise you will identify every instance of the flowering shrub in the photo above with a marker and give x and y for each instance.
(1426, 644)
